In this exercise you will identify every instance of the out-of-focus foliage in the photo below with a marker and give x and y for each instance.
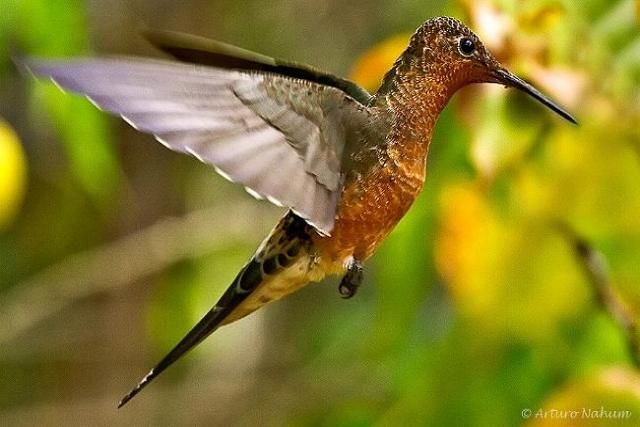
(475, 310)
(56, 29)
(511, 274)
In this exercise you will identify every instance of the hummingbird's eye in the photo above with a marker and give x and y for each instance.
(466, 46)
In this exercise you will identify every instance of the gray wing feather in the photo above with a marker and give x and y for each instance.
(280, 137)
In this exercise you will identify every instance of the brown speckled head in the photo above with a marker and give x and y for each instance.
(445, 46)
(448, 55)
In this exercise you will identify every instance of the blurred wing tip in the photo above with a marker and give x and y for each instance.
(26, 65)
(37, 69)
(40, 74)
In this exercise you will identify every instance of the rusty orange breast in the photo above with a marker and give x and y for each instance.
(370, 206)
(374, 201)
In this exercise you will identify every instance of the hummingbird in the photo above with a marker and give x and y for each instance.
(346, 163)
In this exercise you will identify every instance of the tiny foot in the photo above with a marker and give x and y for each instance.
(352, 279)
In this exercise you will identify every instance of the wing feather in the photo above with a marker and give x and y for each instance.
(281, 137)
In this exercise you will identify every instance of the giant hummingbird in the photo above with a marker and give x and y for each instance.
(346, 164)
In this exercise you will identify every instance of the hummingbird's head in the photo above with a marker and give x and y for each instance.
(452, 55)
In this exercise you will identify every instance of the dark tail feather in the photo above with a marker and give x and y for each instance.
(202, 330)
(267, 261)
(246, 281)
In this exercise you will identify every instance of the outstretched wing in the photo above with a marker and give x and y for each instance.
(200, 50)
(280, 137)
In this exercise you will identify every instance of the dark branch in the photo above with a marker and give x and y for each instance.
(595, 268)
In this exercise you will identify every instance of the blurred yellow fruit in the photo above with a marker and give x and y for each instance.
(466, 247)
(371, 67)
(610, 398)
(12, 174)
(493, 261)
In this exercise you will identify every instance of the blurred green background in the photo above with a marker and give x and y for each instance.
(512, 284)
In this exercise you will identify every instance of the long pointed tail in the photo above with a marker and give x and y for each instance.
(205, 327)
(279, 267)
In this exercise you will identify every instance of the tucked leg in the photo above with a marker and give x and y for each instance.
(351, 281)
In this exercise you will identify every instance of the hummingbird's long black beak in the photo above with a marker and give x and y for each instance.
(509, 79)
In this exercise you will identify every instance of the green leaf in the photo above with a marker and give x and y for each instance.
(58, 28)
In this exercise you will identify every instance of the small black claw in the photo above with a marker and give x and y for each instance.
(352, 279)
